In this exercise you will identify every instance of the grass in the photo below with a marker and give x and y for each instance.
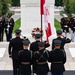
(57, 24)
(17, 25)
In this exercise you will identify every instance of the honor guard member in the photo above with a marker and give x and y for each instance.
(71, 26)
(72, 18)
(62, 22)
(34, 47)
(73, 29)
(65, 25)
(25, 59)
(9, 25)
(71, 21)
(41, 57)
(15, 46)
(2, 24)
(57, 57)
(60, 37)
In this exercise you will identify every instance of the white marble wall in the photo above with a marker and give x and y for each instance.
(30, 15)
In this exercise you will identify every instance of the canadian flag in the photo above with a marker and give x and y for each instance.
(42, 2)
(45, 12)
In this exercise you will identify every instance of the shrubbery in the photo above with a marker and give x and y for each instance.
(15, 2)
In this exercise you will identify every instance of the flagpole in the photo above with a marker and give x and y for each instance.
(41, 6)
(41, 27)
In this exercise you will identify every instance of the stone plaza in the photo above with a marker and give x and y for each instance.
(30, 18)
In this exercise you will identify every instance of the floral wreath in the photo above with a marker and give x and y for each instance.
(36, 31)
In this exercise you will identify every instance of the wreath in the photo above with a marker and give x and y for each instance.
(37, 31)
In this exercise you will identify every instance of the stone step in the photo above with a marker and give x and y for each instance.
(9, 72)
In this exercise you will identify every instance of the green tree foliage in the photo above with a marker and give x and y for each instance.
(15, 2)
(58, 2)
(69, 6)
(8, 1)
(3, 7)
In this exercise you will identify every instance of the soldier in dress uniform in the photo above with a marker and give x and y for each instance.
(62, 22)
(41, 57)
(2, 25)
(71, 26)
(34, 47)
(57, 57)
(9, 25)
(65, 25)
(73, 30)
(72, 18)
(60, 37)
(15, 46)
(71, 21)
(25, 59)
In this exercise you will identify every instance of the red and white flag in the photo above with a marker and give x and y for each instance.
(45, 12)
(42, 2)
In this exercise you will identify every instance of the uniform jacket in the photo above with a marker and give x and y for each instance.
(34, 45)
(9, 22)
(15, 46)
(25, 56)
(40, 57)
(63, 42)
(57, 58)
(2, 23)
(73, 26)
(65, 22)
(71, 22)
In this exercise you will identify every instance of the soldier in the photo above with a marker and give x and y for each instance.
(71, 21)
(57, 57)
(34, 47)
(15, 46)
(65, 25)
(25, 59)
(63, 40)
(73, 30)
(71, 27)
(62, 22)
(2, 24)
(9, 25)
(41, 57)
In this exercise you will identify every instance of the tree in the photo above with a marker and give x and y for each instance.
(69, 6)
(15, 2)
(4, 7)
(58, 2)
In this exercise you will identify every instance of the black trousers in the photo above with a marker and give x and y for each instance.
(15, 67)
(1, 33)
(8, 34)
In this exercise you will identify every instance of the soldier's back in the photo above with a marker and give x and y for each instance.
(17, 43)
(63, 42)
(25, 60)
(41, 58)
(57, 59)
(34, 46)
